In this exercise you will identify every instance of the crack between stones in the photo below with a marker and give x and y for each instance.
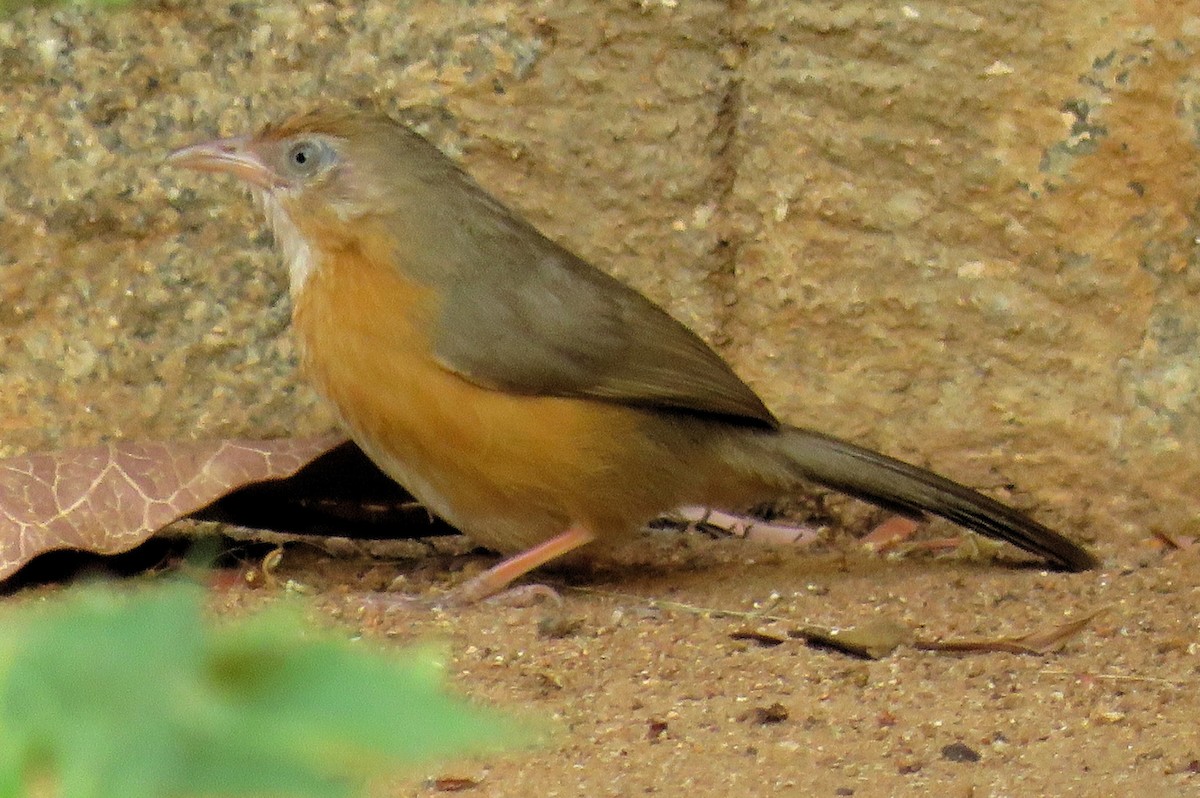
(723, 179)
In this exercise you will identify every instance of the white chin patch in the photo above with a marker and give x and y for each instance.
(297, 254)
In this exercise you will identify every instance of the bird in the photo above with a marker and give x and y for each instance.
(530, 399)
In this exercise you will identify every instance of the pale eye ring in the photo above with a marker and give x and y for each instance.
(307, 157)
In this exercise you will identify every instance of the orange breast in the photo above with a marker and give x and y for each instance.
(508, 470)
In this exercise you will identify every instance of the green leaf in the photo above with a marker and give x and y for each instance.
(132, 696)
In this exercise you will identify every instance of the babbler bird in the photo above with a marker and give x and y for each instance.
(528, 398)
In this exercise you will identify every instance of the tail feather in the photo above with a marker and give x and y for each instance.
(912, 491)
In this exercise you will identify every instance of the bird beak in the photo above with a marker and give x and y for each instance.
(229, 156)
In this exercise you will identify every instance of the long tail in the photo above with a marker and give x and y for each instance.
(913, 491)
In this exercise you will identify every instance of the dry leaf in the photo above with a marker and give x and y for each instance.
(872, 640)
(109, 498)
(1042, 641)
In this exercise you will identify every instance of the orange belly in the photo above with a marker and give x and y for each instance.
(508, 470)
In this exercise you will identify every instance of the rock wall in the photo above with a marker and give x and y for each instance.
(966, 234)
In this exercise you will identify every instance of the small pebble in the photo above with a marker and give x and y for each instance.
(958, 752)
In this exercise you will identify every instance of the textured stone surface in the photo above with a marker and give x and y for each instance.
(966, 235)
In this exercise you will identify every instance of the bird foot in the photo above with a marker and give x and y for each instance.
(744, 526)
(477, 591)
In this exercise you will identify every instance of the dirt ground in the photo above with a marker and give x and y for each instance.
(653, 686)
(964, 234)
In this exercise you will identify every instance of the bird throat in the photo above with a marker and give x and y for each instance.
(297, 253)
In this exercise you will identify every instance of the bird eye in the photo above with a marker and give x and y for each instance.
(307, 157)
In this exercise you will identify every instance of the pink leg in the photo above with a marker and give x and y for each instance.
(501, 575)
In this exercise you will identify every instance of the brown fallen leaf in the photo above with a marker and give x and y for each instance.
(110, 498)
(1042, 641)
(874, 639)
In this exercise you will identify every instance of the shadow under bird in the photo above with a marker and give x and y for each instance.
(528, 398)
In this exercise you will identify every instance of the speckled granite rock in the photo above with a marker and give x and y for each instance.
(965, 235)
(969, 234)
(140, 301)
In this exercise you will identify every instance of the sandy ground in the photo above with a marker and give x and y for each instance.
(653, 688)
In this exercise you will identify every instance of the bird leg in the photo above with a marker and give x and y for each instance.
(500, 576)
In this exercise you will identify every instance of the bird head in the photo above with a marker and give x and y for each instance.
(326, 178)
(314, 163)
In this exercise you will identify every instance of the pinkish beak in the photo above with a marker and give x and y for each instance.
(233, 156)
